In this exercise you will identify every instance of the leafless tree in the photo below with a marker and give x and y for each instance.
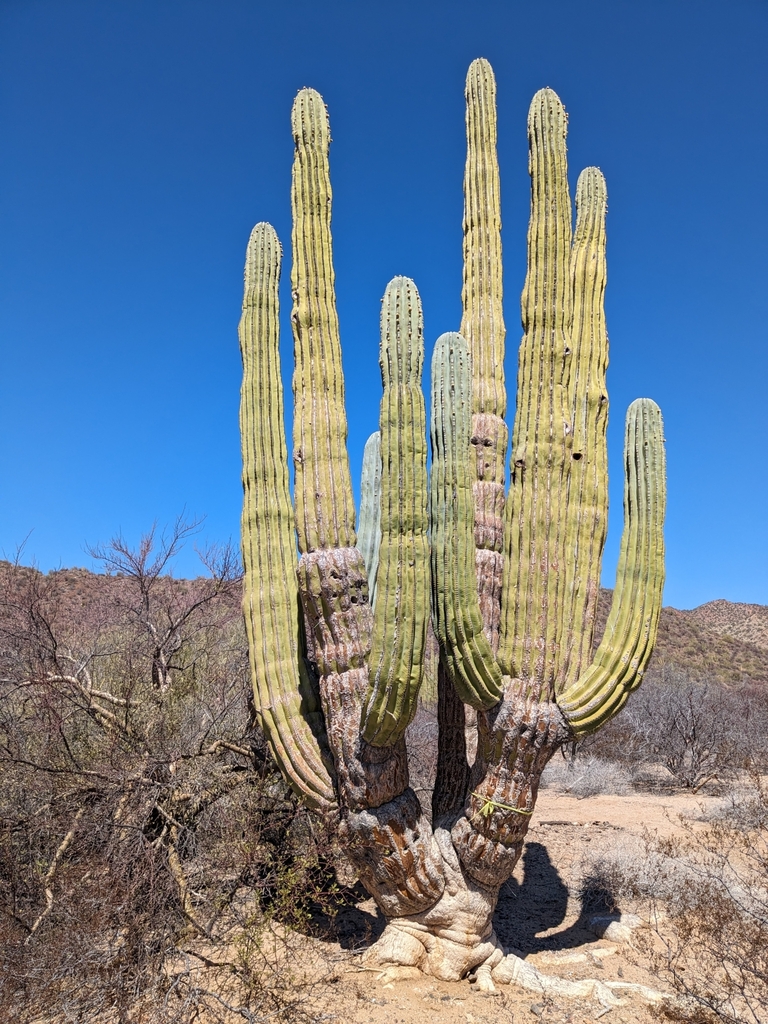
(139, 812)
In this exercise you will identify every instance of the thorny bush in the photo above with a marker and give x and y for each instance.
(706, 895)
(150, 854)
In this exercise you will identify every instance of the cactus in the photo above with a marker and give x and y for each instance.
(514, 579)
(369, 531)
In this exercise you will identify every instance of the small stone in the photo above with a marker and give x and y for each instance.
(537, 1009)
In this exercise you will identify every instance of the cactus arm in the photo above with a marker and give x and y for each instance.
(482, 326)
(630, 633)
(482, 322)
(534, 526)
(284, 698)
(587, 505)
(325, 513)
(369, 526)
(455, 606)
(396, 662)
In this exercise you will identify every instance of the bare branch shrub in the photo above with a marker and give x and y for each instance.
(151, 857)
(707, 895)
(699, 731)
(586, 776)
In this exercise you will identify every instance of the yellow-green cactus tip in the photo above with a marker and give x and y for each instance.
(547, 110)
(263, 247)
(591, 190)
(309, 119)
(480, 69)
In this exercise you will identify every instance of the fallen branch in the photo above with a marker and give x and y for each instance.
(51, 874)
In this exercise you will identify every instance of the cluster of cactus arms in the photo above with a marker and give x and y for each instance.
(337, 621)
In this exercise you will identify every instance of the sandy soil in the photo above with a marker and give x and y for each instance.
(539, 914)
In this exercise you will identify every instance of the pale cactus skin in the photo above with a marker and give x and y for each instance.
(513, 578)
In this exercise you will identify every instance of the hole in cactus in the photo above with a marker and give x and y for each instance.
(576, 456)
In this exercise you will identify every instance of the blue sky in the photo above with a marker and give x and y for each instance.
(140, 140)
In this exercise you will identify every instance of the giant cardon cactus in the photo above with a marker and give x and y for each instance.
(511, 580)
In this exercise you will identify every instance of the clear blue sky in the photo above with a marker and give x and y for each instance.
(140, 140)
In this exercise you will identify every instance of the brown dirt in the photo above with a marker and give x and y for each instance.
(539, 914)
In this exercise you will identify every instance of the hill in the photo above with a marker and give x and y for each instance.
(722, 640)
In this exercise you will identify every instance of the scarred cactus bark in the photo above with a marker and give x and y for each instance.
(513, 578)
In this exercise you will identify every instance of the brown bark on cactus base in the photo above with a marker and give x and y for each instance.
(452, 777)
(480, 848)
(450, 938)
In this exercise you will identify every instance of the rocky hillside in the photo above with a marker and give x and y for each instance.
(745, 622)
(721, 640)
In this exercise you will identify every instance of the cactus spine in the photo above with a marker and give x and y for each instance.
(514, 580)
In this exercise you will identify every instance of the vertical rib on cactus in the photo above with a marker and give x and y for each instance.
(325, 513)
(587, 507)
(396, 662)
(465, 648)
(534, 526)
(369, 523)
(287, 706)
(630, 632)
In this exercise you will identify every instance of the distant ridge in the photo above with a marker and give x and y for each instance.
(746, 622)
(724, 641)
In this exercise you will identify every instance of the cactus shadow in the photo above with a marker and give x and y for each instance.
(355, 922)
(529, 910)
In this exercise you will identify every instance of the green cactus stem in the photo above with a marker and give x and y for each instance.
(535, 527)
(325, 512)
(369, 524)
(482, 322)
(458, 623)
(586, 512)
(630, 632)
(285, 699)
(482, 326)
(396, 662)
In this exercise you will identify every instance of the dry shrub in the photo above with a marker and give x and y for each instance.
(586, 776)
(698, 730)
(707, 892)
(154, 866)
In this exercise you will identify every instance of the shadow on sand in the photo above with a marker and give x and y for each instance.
(526, 910)
(539, 904)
